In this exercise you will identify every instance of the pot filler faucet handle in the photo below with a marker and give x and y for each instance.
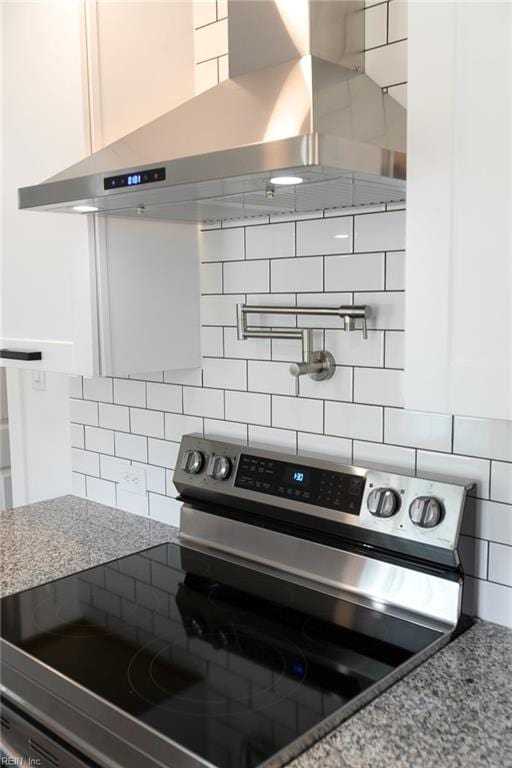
(351, 313)
(319, 367)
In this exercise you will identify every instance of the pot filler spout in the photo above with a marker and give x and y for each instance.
(296, 127)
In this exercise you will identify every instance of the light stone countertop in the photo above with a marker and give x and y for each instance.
(454, 711)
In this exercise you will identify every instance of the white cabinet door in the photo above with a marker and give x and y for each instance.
(459, 243)
(141, 65)
(46, 284)
(76, 77)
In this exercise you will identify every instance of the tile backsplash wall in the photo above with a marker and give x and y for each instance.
(244, 390)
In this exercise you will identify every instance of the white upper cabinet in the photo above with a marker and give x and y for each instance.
(459, 179)
(94, 296)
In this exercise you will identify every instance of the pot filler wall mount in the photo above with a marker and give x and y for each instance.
(297, 127)
(299, 590)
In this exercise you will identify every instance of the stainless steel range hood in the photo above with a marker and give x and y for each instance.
(297, 103)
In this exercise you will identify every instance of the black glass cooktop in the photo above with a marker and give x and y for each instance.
(230, 663)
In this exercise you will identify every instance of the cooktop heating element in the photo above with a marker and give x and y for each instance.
(300, 589)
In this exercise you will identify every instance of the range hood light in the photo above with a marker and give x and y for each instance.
(85, 208)
(286, 180)
(341, 237)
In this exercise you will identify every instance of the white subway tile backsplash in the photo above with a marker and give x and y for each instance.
(162, 453)
(375, 25)
(360, 272)
(322, 446)
(76, 386)
(155, 476)
(223, 62)
(211, 41)
(272, 377)
(339, 387)
(211, 277)
(206, 75)
(83, 412)
(383, 456)
(395, 271)
(204, 12)
(203, 402)
(164, 509)
(212, 341)
(349, 348)
(394, 349)
(240, 274)
(190, 376)
(483, 437)
(131, 446)
(379, 386)
(99, 440)
(355, 421)
(78, 484)
(98, 389)
(226, 430)
(488, 520)
(280, 439)
(222, 244)
(387, 309)
(397, 24)
(77, 436)
(165, 397)
(301, 275)
(431, 431)
(220, 310)
(144, 422)
(114, 417)
(255, 349)
(489, 601)
(272, 299)
(222, 373)
(500, 564)
(249, 407)
(322, 300)
(275, 241)
(320, 237)
(132, 502)
(387, 65)
(297, 413)
(129, 392)
(399, 93)
(474, 556)
(462, 469)
(501, 482)
(102, 491)
(177, 425)
(112, 468)
(380, 231)
(85, 462)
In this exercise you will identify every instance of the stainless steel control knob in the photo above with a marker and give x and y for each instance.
(383, 502)
(219, 467)
(426, 512)
(192, 462)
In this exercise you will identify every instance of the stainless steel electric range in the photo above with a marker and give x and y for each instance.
(300, 589)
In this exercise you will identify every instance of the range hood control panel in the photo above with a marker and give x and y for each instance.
(366, 503)
(134, 179)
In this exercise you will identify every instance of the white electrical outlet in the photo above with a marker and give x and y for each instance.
(133, 479)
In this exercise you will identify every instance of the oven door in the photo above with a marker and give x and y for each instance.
(24, 742)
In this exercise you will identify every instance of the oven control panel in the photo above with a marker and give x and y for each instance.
(377, 502)
(297, 481)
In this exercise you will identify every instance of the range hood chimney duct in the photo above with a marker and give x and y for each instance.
(297, 104)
